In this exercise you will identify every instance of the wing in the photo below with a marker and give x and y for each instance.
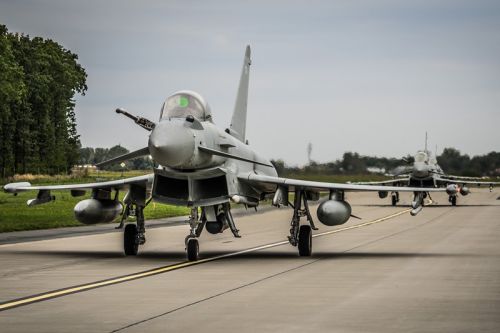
(292, 184)
(444, 181)
(120, 184)
(459, 177)
(392, 182)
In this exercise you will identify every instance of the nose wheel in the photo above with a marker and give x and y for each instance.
(196, 224)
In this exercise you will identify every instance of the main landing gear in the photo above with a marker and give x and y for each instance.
(394, 198)
(133, 234)
(453, 200)
(301, 235)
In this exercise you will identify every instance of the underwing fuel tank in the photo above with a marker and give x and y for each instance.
(382, 194)
(92, 211)
(464, 190)
(334, 212)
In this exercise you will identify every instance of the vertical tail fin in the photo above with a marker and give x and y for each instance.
(239, 119)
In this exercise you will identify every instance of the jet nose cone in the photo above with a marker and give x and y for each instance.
(171, 144)
(420, 170)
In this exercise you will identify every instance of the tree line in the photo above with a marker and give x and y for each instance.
(38, 81)
(451, 161)
(92, 156)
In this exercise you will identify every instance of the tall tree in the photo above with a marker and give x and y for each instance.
(12, 94)
(38, 121)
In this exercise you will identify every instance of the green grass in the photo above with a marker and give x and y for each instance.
(337, 178)
(80, 177)
(15, 215)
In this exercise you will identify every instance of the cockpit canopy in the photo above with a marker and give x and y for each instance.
(186, 103)
(421, 156)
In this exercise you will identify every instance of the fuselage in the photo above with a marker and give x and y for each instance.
(187, 174)
(424, 170)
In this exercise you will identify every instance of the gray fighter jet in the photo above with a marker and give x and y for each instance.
(426, 172)
(206, 168)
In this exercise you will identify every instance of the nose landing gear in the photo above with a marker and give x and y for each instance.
(220, 213)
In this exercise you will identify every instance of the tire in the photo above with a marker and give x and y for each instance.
(130, 244)
(394, 200)
(454, 201)
(305, 241)
(193, 249)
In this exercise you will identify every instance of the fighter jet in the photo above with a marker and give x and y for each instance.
(426, 172)
(208, 169)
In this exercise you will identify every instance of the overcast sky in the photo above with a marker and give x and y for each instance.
(364, 76)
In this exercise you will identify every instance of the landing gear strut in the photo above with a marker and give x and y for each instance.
(196, 227)
(301, 235)
(394, 198)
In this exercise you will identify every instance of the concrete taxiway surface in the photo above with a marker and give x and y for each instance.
(436, 272)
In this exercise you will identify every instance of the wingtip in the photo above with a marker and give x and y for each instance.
(14, 187)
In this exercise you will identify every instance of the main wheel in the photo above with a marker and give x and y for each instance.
(454, 200)
(305, 241)
(130, 244)
(193, 249)
(394, 200)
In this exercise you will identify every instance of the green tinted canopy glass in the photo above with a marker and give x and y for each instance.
(183, 101)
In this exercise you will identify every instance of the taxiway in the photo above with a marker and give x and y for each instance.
(389, 272)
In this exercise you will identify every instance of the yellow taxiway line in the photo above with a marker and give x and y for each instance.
(98, 284)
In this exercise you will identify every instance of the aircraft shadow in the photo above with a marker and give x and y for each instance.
(338, 255)
(264, 255)
(428, 206)
(459, 205)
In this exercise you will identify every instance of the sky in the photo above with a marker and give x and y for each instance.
(365, 76)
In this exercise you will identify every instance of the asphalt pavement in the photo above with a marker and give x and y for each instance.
(389, 272)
